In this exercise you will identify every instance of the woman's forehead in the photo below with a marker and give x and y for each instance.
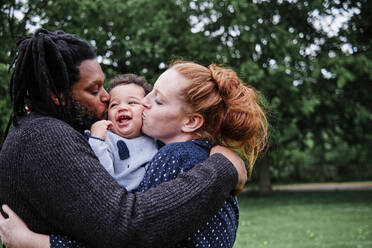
(170, 82)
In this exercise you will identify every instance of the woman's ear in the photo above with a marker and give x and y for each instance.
(192, 123)
(56, 100)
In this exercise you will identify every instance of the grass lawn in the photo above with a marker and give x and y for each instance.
(339, 219)
(336, 219)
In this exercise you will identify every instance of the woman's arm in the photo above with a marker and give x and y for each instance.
(14, 232)
(238, 164)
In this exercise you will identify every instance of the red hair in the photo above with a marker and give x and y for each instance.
(232, 111)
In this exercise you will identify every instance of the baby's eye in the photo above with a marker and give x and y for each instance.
(158, 102)
(132, 102)
(113, 105)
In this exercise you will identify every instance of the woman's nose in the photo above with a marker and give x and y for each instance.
(145, 103)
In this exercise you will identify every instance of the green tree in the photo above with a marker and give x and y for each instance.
(313, 85)
(316, 83)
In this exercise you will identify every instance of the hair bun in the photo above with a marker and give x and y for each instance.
(227, 82)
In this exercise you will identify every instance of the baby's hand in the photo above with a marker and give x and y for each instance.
(99, 129)
(15, 234)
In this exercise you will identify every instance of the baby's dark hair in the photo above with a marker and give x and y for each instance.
(130, 78)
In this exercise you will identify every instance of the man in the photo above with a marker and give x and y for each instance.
(51, 178)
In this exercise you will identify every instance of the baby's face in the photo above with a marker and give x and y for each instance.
(125, 110)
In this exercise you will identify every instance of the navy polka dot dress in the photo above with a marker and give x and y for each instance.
(58, 241)
(175, 158)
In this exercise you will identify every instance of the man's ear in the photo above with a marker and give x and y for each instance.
(56, 100)
(192, 123)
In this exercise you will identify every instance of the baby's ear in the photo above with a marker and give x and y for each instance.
(56, 100)
(192, 123)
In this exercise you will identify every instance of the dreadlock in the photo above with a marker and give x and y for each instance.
(46, 63)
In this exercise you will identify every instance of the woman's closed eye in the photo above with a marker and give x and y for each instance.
(158, 102)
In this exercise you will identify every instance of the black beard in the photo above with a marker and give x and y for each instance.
(82, 117)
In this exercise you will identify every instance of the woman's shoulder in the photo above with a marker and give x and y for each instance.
(190, 148)
(176, 146)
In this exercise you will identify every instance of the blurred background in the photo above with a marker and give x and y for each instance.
(311, 60)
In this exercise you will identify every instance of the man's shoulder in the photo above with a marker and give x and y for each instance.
(44, 126)
(42, 120)
(37, 122)
(42, 133)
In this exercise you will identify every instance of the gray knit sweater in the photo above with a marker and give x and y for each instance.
(50, 176)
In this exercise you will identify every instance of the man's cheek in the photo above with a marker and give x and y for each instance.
(102, 112)
(105, 114)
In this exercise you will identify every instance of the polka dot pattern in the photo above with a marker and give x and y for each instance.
(175, 158)
(59, 241)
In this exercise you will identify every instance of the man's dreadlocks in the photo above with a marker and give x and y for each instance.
(46, 63)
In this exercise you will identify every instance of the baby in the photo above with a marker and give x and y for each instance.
(115, 148)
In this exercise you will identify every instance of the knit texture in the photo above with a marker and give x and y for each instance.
(50, 176)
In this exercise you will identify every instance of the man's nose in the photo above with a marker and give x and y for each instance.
(105, 97)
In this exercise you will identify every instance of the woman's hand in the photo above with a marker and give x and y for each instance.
(238, 164)
(14, 232)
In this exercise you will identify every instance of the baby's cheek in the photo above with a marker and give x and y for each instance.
(145, 129)
(111, 115)
(139, 121)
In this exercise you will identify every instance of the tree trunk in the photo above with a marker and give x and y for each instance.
(264, 180)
